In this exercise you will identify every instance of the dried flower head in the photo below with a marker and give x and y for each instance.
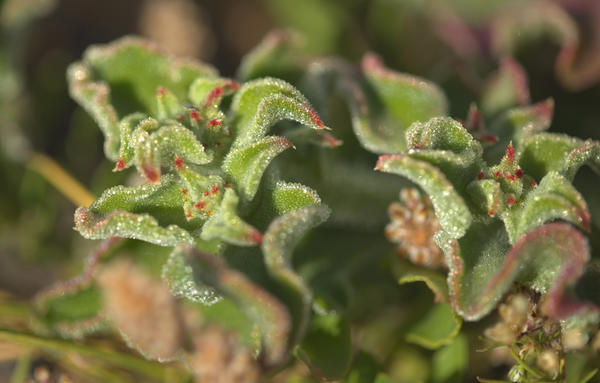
(143, 310)
(413, 224)
(218, 357)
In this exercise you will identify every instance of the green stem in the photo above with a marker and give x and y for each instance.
(21, 371)
(62, 346)
(527, 367)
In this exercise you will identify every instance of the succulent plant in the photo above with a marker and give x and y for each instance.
(201, 146)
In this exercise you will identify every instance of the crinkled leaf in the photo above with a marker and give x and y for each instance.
(450, 209)
(179, 276)
(545, 152)
(554, 198)
(264, 310)
(437, 328)
(148, 212)
(245, 165)
(70, 314)
(487, 195)
(120, 78)
(446, 144)
(435, 281)
(327, 347)
(226, 225)
(259, 104)
(482, 269)
(393, 102)
(278, 244)
(287, 197)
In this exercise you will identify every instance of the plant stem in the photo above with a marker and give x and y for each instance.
(60, 179)
(122, 360)
(21, 370)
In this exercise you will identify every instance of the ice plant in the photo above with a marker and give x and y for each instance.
(200, 143)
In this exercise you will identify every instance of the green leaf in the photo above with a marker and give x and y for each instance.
(507, 88)
(264, 310)
(287, 197)
(122, 77)
(279, 241)
(381, 118)
(245, 165)
(446, 144)
(70, 314)
(451, 362)
(259, 104)
(277, 55)
(450, 209)
(435, 281)
(546, 152)
(554, 198)
(438, 328)
(227, 226)
(327, 347)
(148, 212)
(548, 260)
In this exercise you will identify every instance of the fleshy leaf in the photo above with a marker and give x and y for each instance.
(137, 213)
(259, 104)
(262, 308)
(245, 165)
(545, 152)
(227, 226)
(435, 281)
(118, 79)
(276, 55)
(279, 241)
(380, 124)
(438, 328)
(327, 347)
(450, 209)
(547, 259)
(287, 197)
(70, 314)
(554, 198)
(446, 144)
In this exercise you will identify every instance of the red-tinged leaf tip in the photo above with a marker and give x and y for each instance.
(480, 175)
(497, 174)
(178, 162)
(188, 214)
(510, 153)
(520, 79)
(545, 108)
(533, 184)
(229, 133)
(214, 122)
(331, 141)
(315, 117)
(200, 205)
(120, 165)
(181, 117)
(151, 174)
(215, 189)
(510, 200)
(519, 173)
(491, 213)
(384, 158)
(184, 191)
(214, 95)
(227, 185)
(161, 91)
(194, 115)
(206, 193)
(233, 85)
(256, 237)
(218, 143)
